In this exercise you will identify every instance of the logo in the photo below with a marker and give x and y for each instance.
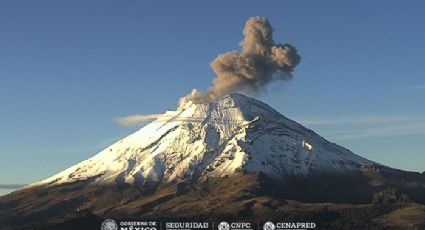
(109, 224)
(269, 226)
(223, 226)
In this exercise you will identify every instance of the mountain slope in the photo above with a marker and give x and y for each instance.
(233, 157)
(215, 139)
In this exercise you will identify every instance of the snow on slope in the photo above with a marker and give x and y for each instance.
(234, 133)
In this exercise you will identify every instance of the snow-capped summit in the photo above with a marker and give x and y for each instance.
(232, 157)
(233, 134)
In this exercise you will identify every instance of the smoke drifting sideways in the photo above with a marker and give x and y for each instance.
(142, 120)
(260, 62)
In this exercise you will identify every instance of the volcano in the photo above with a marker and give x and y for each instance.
(234, 157)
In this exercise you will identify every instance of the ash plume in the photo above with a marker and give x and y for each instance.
(259, 62)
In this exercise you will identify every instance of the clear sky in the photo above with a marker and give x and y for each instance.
(68, 68)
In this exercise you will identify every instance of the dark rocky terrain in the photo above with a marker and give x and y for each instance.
(364, 201)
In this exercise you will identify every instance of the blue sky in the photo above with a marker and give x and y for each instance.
(68, 68)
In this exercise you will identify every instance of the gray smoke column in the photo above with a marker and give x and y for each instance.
(260, 62)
